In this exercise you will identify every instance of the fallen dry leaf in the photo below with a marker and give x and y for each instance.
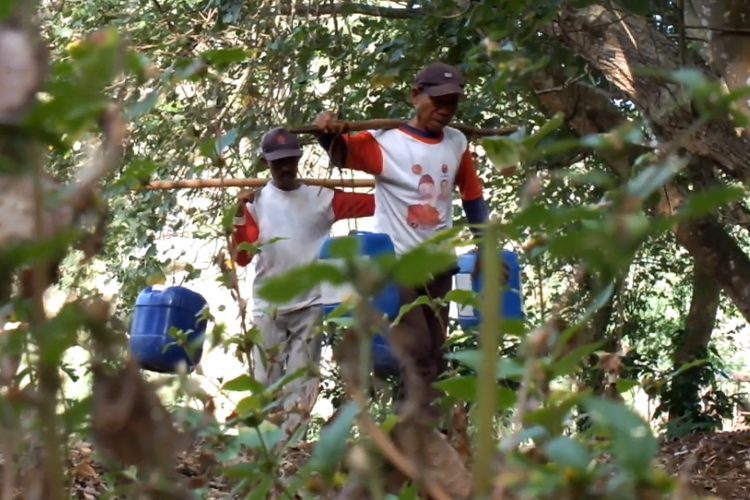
(198, 482)
(84, 470)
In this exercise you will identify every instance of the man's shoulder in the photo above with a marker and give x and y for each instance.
(453, 133)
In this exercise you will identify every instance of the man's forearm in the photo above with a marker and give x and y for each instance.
(335, 146)
(476, 213)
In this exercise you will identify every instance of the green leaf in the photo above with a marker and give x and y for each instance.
(708, 201)
(536, 433)
(530, 143)
(289, 377)
(265, 436)
(567, 451)
(390, 422)
(143, 106)
(690, 78)
(687, 366)
(243, 383)
(570, 361)
(284, 287)
(419, 301)
(633, 443)
(237, 471)
(419, 264)
(260, 492)
(654, 177)
(553, 416)
(463, 297)
(225, 57)
(624, 384)
(502, 151)
(333, 438)
(465, 388)
(225, 141)
(344, 248)
(507, 368)
(597, 303)
(6, 8)
(248, 405)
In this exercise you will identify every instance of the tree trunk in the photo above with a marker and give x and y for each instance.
(701, 317)
(590, 112)
(699, 325)
(627, 49)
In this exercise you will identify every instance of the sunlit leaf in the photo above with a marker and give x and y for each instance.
(419, 264)
(568, 451)
(333, 438)
(224, 57)
(243, 382)
(569, 362)
(708, 201)
(633, 442)
(465, 388)
(283, 288)
(624, 385)
(265, 436)
(502, 151)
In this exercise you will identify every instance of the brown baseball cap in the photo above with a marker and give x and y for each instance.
(439, 79)
(278, 143)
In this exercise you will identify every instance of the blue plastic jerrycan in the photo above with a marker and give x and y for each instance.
(511, 303)
(157, 311)
(387, 301)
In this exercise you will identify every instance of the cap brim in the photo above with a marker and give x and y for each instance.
(444, 89)
(282, 153)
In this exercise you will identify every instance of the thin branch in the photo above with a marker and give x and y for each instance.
(346, 8)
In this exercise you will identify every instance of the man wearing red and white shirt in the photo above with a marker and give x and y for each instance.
(416, 168)
(289, 221)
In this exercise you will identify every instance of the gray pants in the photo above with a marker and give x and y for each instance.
(290, 341)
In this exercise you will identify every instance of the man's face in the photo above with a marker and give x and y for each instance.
(427, 191)
(435, 112)
(284, 172)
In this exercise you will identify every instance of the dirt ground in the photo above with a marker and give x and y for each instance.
(718, 464)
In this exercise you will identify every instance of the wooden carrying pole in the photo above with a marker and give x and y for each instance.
(384, 124)
(250, 183)
(361, 126)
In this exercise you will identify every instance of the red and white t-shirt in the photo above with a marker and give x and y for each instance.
(299, 221)
(414, 180)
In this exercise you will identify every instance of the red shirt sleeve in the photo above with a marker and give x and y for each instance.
(363, 153)
(468, 182)
(247, 232)
(346, 205)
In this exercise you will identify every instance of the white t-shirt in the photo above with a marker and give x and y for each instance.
(414, 180)
(299, 221)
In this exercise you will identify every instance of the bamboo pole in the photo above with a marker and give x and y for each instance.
(250, 183)
(387, 124)
(360, 126)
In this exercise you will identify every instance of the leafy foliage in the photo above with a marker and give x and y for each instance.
(606, 284)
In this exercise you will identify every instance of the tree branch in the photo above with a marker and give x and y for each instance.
(346, 8)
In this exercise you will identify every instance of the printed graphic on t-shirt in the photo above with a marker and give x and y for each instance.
(445, 190)
(425, 214)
